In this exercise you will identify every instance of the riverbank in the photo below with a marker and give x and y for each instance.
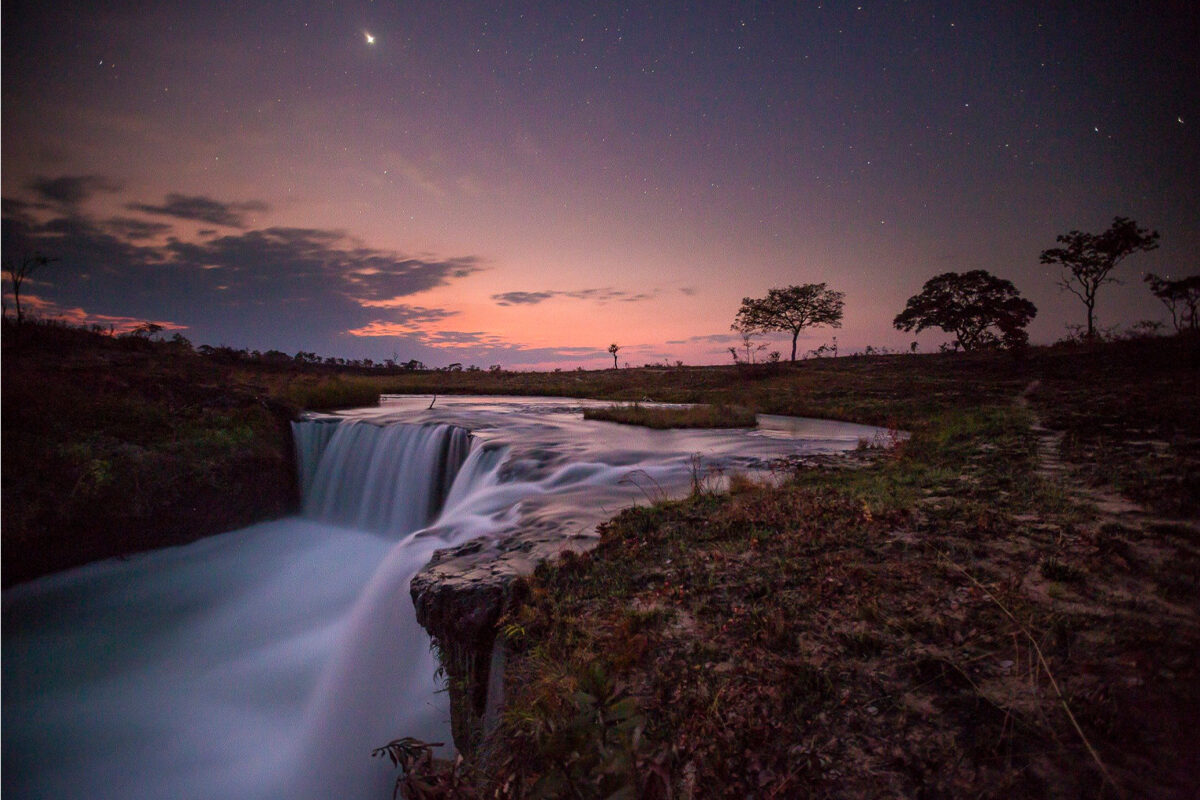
(116, 445)
(1006, 605)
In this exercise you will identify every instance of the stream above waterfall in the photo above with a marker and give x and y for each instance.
(267, 662)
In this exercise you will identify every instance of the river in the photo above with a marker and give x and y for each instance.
(268, 662)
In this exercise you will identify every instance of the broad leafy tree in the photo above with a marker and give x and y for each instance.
(1088, 259)
(1181, 297)
(791, 310)
(980, 309)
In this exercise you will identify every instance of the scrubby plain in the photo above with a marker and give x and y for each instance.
(1007, 604)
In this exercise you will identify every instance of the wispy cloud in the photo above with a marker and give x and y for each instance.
(70, 190)
(136, 229)
(405, 320)
(713, 338)
(603, 295)
(522, 298)
(199, 208)
(42, 307)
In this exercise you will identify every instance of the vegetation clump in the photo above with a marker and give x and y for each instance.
(694, 416)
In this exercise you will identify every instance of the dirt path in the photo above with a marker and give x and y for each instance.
(1110, 506)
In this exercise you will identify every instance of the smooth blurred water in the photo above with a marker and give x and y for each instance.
(268, 662)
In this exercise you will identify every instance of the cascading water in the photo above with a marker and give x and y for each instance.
(268, 662)
(263, 663)
(387, 479)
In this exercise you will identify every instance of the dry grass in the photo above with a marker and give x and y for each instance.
(947, 623)
(696, 416)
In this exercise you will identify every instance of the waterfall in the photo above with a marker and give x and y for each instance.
(267, 663)
(264, 663)
(310, 438)
(393, 480)
(390, 479)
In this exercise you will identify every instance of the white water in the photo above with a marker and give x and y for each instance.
(268, 662)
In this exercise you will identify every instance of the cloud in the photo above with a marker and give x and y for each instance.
(604, 295)
(311, 263)
(202, 209)
(136, 229)
(522, 298)
(270, 288)
(461, 339)
(405, 319)
(718, 338)
(70, 190)
(41, 307)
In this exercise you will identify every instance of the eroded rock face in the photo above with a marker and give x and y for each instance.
(460, 596)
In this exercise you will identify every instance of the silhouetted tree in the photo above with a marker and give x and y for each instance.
(613, 349)
(1181, 298)
(19, 269)
(969, 305)
(749, 347)
(147, 330)
(791, 309)
(1088, 258)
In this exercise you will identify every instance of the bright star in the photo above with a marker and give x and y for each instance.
(370, 38)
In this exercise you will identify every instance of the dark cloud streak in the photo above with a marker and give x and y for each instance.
(199, 208)
(71, 190)
(603, 295)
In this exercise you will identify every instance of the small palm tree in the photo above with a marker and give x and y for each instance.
(612, 349)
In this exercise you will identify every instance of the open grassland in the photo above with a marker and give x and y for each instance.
(965, 617)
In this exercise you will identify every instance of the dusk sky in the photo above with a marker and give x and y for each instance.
(525, 183)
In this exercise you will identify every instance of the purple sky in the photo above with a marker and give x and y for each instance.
(523, 184)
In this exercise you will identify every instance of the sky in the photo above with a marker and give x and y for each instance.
(524, 184)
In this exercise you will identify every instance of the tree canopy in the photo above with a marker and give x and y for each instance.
(791, 309)
(1088, 258)
(1181, 297)
(970, 305)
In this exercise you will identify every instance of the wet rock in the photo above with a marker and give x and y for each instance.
(459, 597)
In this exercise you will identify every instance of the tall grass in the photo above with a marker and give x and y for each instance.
(333, 391)
(698, 416)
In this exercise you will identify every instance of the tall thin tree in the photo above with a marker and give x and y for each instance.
(19, 271)
(1089, 258)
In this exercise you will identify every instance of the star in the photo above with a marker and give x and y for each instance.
(370, 38)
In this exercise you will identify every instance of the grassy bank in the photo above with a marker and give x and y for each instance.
(698, 416)
(956, 619)
(112, 446)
